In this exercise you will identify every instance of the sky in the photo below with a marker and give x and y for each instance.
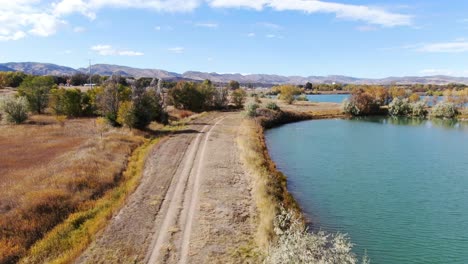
(371, 39)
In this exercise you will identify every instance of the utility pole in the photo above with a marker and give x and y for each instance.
(90, 76)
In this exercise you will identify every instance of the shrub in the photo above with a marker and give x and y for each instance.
(350, 107)
(399, 107)
(272, 106)
(302, 98)
(364, 102)
(418, 109)
(238, 97)
(288, 93)
(296, 245)
(251, 109)
(14, 110)
(444, 110)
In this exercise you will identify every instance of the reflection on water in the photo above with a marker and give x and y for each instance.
(415, 121)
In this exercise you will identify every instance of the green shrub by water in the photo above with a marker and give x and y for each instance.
(444, 110)
(251, 109)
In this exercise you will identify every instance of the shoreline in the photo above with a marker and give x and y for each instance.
(270, 187)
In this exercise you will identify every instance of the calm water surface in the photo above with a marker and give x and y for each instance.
(398, 187)
(327, 98)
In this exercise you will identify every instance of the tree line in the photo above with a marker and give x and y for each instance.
(121, 101)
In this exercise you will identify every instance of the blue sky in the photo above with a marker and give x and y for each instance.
(290, 37)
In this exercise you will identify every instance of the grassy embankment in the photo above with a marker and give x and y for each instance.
(61, 184)
(269, 184)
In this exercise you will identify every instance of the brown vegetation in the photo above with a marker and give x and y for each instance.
(49, 171)
(270, 185)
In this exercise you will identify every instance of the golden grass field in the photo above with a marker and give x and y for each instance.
(49, 171)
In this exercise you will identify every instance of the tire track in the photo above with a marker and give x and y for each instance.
(172, 210)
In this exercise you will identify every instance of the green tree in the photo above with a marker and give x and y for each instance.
(126, 115)
(187, 95)
(233, 85)
(69, 102)
(36, 90)
(109, 100)
(308, 86)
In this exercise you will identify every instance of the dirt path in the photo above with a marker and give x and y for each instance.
(193, 204)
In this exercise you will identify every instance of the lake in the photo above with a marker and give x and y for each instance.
(327, 98)
(398, 187)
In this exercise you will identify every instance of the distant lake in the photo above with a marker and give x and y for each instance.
(398, 187)
(327, 98)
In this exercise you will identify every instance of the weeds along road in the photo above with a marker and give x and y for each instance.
(193, 204)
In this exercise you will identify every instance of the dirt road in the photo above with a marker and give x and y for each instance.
(193, 205)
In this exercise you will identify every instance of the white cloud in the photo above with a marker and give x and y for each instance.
(370, 15)
(108, 50)
(177, 50)
(157, 28)
(251, 35)
(23, 17)
(445, 47)
(20, 18)
(207, 25)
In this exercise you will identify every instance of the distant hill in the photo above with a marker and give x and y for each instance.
(36, 68)
(256, 79)
(6, 69)
(108, 69)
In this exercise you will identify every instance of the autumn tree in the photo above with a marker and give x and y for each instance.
(288, 93)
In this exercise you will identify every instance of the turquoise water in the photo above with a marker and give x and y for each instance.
(398, 187)
(327, 98)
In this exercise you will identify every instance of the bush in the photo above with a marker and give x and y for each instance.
(364, 101)
(273, 106)
(444, 110)
(296, 245)
(418, 109)
(399, 107)
(251, 109)
(350, 107)
(288, 93)
(14, 110)
(302, 98)
(238, 97)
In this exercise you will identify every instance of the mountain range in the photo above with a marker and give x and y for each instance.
(36, 68)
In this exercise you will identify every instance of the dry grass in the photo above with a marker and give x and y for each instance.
(49, 172)
(270, 185)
